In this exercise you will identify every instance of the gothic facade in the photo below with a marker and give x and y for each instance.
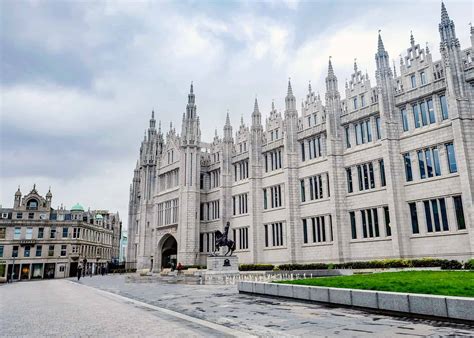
(385, 172)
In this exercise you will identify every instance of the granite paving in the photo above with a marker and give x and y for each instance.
(265, 316)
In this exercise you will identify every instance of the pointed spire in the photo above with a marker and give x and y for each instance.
(227, 119)
(191, 90)
(309, 87)
(215, 133)
(242, 119)
(273, 104)
(427, 48)
(355, 65)
(255, 106)
(290, 90)
(444, 14)
(381, 47)
(412, 39)
(330, 69)
(159, 127)
(153, 114)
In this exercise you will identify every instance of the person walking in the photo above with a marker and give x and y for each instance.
(79, 272)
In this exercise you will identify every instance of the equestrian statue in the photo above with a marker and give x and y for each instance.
(223, 240)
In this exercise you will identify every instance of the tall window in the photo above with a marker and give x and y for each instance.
(388, 228)
(275, 232)
(26, 252)
(404, 119)
(349, 180)
(303, 155)
(451, 158)
(353, 225)
(355, 103)
(348, 139)
(383, 182)
(302, 189)
(408, 171)
(413, 81)
(17, 233)
(52, 233)
(1, 250)
(423, 78)
(431, 111)
(305, 231)
(444, 107)
(3, 233)
(40, 232)
(65, 232)
(377, 126)
(366, 176)
(15, 251)
(424, 115)
(459, 212)
(39, 249)
(51, 251)
(29, 233)
(358, 133)
(416, 115)
(370, 223)
(414, 218)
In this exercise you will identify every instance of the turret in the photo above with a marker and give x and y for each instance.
(228, 130)
(17, 202)
(290, 101)
(256, 117)
(49, 196)
(384, 79)
(450, 50)
(333, 102)
(190, 131)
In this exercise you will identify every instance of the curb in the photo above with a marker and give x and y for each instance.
(444, 307)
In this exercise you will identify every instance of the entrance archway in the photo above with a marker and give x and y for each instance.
(169, 251)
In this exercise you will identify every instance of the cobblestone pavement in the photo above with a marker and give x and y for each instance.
(63, 308)
(270, 316)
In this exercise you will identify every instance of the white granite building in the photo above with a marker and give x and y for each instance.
(385, 172)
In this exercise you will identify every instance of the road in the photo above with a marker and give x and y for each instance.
(118, 305)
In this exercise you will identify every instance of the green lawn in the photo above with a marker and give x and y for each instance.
(447, 283)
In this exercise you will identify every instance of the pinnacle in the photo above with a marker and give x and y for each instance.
(255, 106)
(330, 69)
(412, 39)
(290, 90)
(444, 13)
(227, 119)
(381, 47)
(191, 91)
(309, 87)
(355, 66)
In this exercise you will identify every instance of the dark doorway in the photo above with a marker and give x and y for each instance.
(73, 269)
(169, 252)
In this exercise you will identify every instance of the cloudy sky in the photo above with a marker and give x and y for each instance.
(79, 79)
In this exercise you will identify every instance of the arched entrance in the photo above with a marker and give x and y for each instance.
(169, 251)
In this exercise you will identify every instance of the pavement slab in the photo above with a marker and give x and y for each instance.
(264, 316)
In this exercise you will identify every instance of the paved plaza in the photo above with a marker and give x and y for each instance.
(116, 305)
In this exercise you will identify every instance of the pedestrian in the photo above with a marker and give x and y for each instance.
(79, 272)
(102, 271)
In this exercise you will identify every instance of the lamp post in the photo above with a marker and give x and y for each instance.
(13, 270)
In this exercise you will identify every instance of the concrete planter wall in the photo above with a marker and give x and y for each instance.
(459, 308)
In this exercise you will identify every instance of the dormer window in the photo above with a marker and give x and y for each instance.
(32, 205)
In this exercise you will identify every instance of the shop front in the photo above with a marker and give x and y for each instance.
(37, 271)
(49, 270)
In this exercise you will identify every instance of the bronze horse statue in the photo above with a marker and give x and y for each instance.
(223, 240)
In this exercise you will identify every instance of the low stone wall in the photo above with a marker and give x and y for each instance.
(458, 308)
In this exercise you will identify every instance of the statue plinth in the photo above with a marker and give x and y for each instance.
(223, 264)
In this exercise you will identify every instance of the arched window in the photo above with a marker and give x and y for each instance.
(32, 204)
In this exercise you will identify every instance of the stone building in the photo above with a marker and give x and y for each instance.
(37, 241)
(385, 172)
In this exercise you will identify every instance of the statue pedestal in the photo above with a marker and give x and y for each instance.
(222, 264)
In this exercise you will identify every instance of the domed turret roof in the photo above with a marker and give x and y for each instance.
(98, 216)
(77, 207)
